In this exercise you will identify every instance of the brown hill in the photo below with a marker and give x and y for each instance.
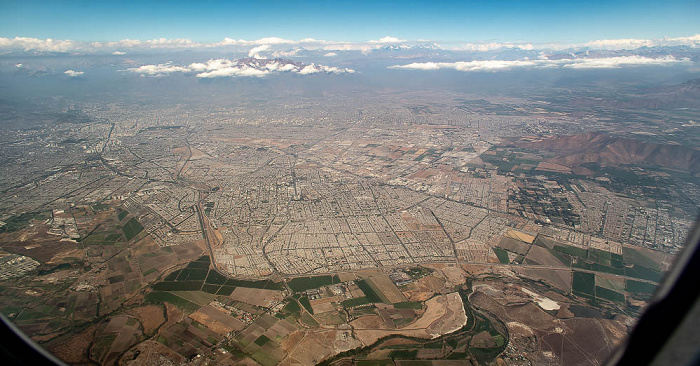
(607, 150)
(685, 95)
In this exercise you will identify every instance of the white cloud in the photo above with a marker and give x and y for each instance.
(73, 73)
(284, 54)
(693, 40)
(158, 43)
(158, 70)
(254, 52)
(618, 44)
(581, 63)
(487, 65)
(617, 62)
(265, 41)
(309, 69)
(423, 66)
(315, 69)
(233, 68)
(483, 47)
(273, 40)
(336, 70)
(364, 48)
(36, 44)
(330, 54)
(233, 71)
(277, 44)
(387, 39)
(118, 53)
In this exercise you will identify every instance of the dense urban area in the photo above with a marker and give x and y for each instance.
(398, 228)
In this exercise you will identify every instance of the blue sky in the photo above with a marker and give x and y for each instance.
(443, 21)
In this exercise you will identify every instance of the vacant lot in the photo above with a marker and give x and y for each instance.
(443, 314)
(519, 235)
(539, 255)
(151, 317)
(217, 320)
(611, 283)
(257, 297)
(513, 245)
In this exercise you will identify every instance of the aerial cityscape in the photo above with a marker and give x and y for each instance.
(377, 200)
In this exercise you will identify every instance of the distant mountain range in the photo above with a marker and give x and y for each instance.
(685, 95)
(418, 47)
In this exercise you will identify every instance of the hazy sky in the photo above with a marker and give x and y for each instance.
(207, 21)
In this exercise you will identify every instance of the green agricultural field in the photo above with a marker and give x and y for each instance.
(581, 264)
(604, 293)
(301, 284)
(160, 297)
(644, 273)
(263, 284)
(260, 341)
(368, 291)
(226, 290)
(215, 278)
(632, 256)
(403, 354)
(198, 297)
(307, 305)
(640, 287)
(382, 363)
(572, 251)
(351, 303)
(177, 286)
(292, 307)
(502, 255)
(110, 237)
(212, 289)
(198, 265)
(132, 228)
(173, 275)
(189, 274)
(613, 270)
(122, 215)
(583, 282)
(363, 310)
(604, 258)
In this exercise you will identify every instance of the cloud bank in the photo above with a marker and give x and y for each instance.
(29, 44)
(581, 63)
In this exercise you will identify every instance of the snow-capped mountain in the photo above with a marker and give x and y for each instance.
(248, 66)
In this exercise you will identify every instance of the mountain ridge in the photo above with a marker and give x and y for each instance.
(607, 150)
